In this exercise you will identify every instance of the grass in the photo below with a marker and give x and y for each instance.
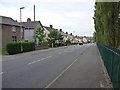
(4, 52)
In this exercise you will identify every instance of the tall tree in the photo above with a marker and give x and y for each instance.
(107, 23)
(39, 34)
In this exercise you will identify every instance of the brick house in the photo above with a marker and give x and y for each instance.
(10, 31)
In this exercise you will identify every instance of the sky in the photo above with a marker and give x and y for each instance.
(72, 16)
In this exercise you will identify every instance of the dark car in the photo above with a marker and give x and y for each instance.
(80, 43)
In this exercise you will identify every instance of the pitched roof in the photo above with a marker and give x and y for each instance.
(62, 33)
(31, 24)
(8, 21)
(48, 28)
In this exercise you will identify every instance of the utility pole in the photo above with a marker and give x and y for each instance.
(34, 12)
(34, 21)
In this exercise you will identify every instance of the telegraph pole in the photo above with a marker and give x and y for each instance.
(34, 21)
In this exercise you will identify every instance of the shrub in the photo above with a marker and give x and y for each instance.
(28, 46)
(44, 42)
(13, 47)
(59, 44)
(65, 44)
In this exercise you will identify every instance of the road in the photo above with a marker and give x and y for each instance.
(39, 69)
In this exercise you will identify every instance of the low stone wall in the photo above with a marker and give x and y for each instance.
(40, 47)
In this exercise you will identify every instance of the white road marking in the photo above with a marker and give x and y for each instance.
(60, 53)
(61, 74)
(64, 52)
(1, 73)
(39, 60)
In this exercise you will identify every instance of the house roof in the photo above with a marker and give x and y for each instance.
(63, 33)
(8, 21)
(31, 24)
(69, 35)
(49, 28)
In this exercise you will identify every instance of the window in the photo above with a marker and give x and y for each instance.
(14, 38)
(14, 29)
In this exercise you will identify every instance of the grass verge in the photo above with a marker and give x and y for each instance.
(4, 52)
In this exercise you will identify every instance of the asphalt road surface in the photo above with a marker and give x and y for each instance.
(39, 69)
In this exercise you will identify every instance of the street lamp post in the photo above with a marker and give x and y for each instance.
(21, 27)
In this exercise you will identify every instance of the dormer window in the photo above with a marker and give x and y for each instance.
(14, 29)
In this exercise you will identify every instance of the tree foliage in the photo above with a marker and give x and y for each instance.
(39, 34)
(107, 23)
(54, 36)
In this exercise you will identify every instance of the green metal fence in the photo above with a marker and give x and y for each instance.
(111, 58)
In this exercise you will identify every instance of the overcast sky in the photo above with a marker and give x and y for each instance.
(73, 16)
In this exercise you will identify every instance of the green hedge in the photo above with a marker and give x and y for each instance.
(15, 47)
(28, 46)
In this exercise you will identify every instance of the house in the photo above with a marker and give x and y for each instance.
(70, 37)
(11, 31)
(47, 30)
(85, 40)
(65, 35)
(46, 33)
(76, 39)
(29, 30)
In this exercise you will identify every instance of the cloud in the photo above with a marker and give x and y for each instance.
(45, 1)
(54, 1)
(69, 16)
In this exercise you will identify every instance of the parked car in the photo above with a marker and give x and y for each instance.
(80, 43)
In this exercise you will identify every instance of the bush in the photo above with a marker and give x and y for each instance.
(45, 43)
(13, 47)
(28, 46)
(67, 43)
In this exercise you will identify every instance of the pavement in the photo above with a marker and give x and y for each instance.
(85, 72)
(77, 66)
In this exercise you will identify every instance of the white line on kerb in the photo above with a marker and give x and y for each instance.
(61, 74)
(39, 60)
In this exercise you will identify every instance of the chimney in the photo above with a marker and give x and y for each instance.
(60, 30)
(51, 26)
(28, 20)
(66, 32)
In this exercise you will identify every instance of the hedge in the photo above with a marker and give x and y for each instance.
(15, 47)
(28, 46)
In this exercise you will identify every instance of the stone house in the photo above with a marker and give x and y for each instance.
(10, 30)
